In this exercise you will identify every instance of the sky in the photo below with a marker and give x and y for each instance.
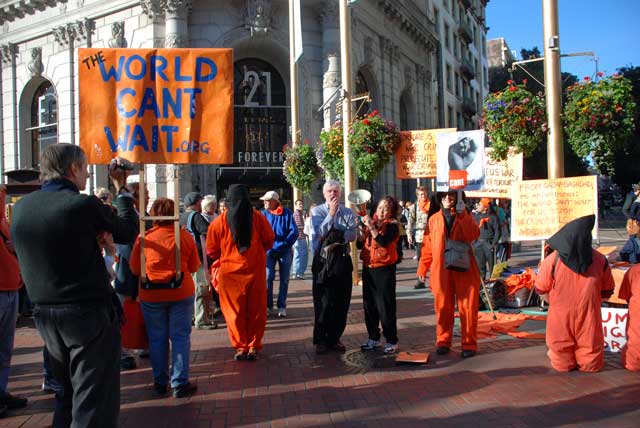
(609, 28)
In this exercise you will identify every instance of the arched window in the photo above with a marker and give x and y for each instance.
(43, 126)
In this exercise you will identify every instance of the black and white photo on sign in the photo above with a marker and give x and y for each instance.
(463, 150)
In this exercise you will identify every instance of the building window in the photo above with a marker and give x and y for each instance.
(436, 19)
(484, 46)
(450, 117)
(459, 121)
(446, 37)
(457, 84)
(44, 120)
(448, 77)
(456, 51)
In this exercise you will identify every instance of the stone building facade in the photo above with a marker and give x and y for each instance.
(398, 57)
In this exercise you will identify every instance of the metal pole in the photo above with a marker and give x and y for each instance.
(345, 60)
(553, 88)
(293, 72)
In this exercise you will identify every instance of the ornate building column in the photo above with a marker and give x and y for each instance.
(8, 55)
(329, 15)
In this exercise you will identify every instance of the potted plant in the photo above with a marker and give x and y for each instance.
(598, 117)
(514, 118)
(300, 166)
(373, 141)
(331, 152)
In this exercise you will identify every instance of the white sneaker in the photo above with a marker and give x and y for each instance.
(390, 348)
(282, 313)
(370, 344)
(415, 257)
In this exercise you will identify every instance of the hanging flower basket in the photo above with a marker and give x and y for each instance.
(331, 152)
(514, 118)
(373, 141)
(300, 166)
(598, 118)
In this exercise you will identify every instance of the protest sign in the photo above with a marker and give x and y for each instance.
(162, 106)
(416, 153)
(614, 326)
(499, 176)
(540, 208)
(460, 160)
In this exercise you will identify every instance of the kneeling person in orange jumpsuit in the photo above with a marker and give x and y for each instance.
(240, 238)
(449, 286)
(576, 277)
(630, 291)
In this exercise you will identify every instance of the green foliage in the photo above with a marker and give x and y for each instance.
(514, 117)
(599, 118)
(373, 141)
(300, 166)
(331, 152)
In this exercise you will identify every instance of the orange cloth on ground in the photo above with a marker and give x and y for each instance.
(242, 280)
(527, 279)
(506, 324)
(630, 291)
(574, 321)
(450, 286)
(9, 270)
(160, 255)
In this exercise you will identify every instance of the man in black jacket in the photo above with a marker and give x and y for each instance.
(56, 233)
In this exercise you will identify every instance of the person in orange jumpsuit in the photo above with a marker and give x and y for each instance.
(576, 277)
(450, 286)
(630, 291)
(240, 238)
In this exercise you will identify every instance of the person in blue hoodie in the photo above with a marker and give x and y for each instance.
(286, 231)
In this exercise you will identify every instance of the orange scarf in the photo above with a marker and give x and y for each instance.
(424, 206)
(277, 211)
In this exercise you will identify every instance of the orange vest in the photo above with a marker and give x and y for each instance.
(374, 255)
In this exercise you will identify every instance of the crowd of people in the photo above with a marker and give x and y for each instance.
(82, 257)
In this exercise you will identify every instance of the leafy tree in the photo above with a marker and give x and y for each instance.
(627, 159)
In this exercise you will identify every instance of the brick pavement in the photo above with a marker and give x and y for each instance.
(508, 384)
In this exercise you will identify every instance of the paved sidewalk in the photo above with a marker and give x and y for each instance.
(508, 384)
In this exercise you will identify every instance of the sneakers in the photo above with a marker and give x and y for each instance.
(212, 326)
(159, 388)
(12, 402)
(282, 313)
(50, 386)
(185, 390)
(127, 362)
(415, 257)
(252, 355)
(467, 353)
(3, 411)
(370, 344)
(442, 350)
(240, 355)
(390, 348)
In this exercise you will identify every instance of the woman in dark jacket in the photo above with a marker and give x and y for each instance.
(379, 256)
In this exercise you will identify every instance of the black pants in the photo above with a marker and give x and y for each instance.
(83, 341)
(379, 298)
(331, 306)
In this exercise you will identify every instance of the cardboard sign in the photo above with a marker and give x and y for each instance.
(460, 155)
(162, 106)
(541, 207)
(614, 325)
(499, 176)
(416, 153)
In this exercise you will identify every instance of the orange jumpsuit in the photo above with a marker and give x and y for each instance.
(449, 286)
(242, 280)
(574, 323)
(630, 291)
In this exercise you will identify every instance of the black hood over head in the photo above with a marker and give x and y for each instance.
(239, 215)
(573, 243)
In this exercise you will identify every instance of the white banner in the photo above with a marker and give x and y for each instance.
(614, 325)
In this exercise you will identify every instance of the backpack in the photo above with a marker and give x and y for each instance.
(332, 260)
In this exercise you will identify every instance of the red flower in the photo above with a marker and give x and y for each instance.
(366, 121)
(586, 78)
(599, 74)
(524, 81)
(509, 82)
(373, 113)
(512, 89)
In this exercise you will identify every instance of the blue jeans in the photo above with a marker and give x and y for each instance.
(8, 317)
(300, 257)
(284, 260)
(169, 321)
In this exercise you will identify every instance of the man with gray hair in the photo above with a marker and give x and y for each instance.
(334, 226)
(57, 232)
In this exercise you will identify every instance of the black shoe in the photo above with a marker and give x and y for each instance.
(442, 350)
(3, 411)
(240, 355)
(49, 388)
(160, 389)
(185, 390)
(419, 286)
(467, 353)
(144, 353)
(127, 363)
(12, 402)
(252, 355)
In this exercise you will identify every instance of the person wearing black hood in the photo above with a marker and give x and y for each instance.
(240, 237)
(576, 278)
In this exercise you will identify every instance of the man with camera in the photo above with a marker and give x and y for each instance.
(56, 232)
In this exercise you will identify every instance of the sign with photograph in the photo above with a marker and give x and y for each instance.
(460, 160)
(416, 153)
(161, 106)
(499, 176)
(539, 208)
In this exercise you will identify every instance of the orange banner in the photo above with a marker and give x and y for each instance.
(499, 176)
(416, 153)
(157, 106)
(541, 207)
